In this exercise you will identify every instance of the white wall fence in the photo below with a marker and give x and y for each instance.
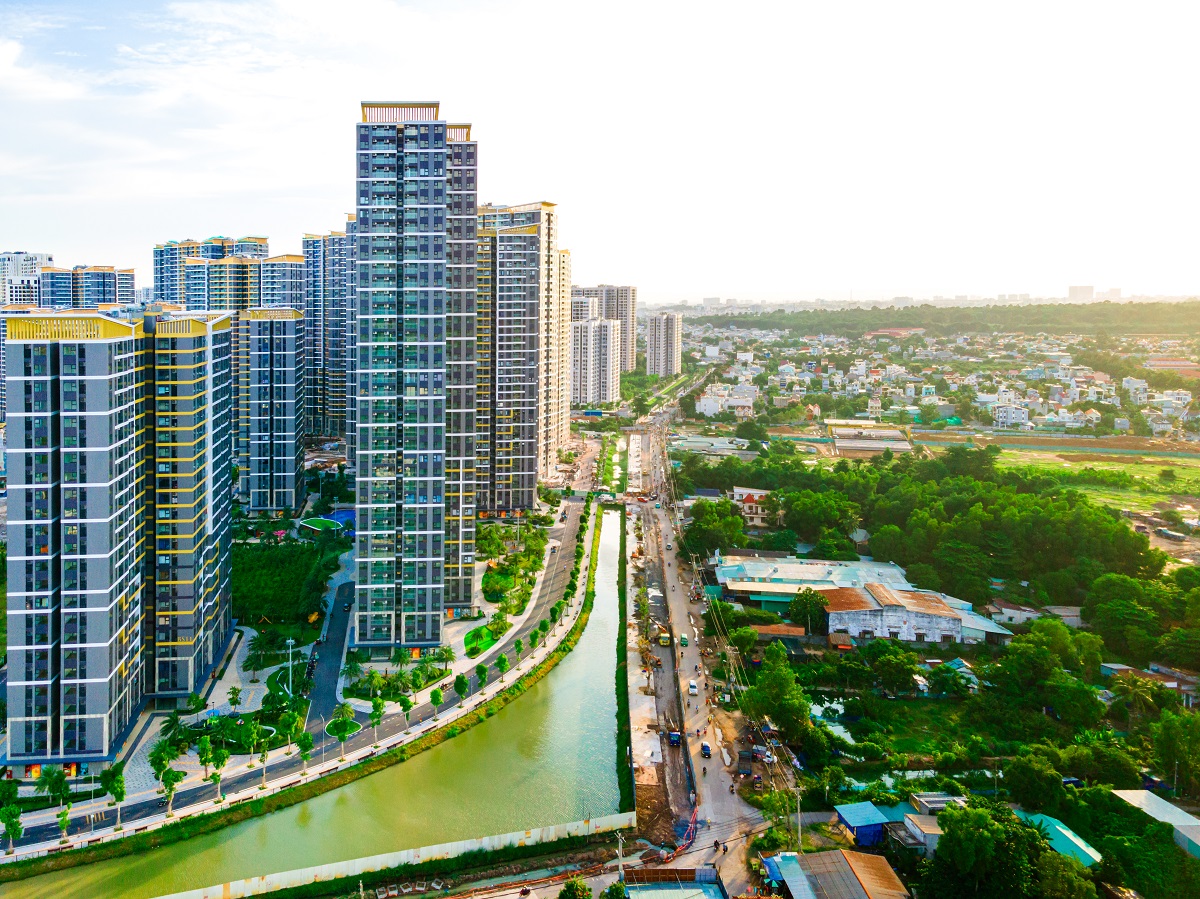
(268, 883)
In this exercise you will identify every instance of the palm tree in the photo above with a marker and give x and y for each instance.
(1138, 694)
(353, 669)
(172, 727)
(53, 783)
(444, 655)
(343, 713)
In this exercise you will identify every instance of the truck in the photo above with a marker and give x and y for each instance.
(664, 639)
(673, 738)
(744, 760)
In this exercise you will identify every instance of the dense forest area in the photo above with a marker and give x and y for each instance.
(1054, 318)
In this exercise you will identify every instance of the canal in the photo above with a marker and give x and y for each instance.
(547, 758)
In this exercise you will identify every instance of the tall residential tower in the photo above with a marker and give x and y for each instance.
(415, 370)
(664, 344)
(618, 304)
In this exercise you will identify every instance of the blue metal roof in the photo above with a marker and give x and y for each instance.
(860, 814)
(1063, 840)
(785, 868)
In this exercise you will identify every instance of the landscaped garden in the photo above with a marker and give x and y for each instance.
(479, 640)
(399, 684)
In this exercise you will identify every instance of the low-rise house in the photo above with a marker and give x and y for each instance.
(1010, 612)
(926, 831)
(836, 874)
(749, 501)
(1071, 616)
(1009, 415)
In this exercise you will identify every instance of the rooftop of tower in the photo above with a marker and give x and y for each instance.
(397, 111)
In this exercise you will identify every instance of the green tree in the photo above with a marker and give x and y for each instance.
(289, 722)
(52, 782)
(343, 717)
(501, 664)
(204, 753)
(406, 705)
(518, 647)
(112, 781)
(352, 670)
(171, 778)
(1062, 877)
(376, 717)
(462, 686)
(481, 671)
(896, 671)
(1137, 695)
(640, 405)
(64, 821)
(304, 744)
(946, 681)
(807, 607)
(744, 640)
(1032, 782)
(1176, 741)
(10, 817)
(575, 888)
(984, 851)
(220, 758)
(235, 698)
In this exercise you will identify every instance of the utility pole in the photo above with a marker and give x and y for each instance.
(620, 857)
(799, 823)
(290, 644)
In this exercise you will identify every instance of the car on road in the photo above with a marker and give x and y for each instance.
(693, 690)
(668, 546)
(346, 607)
(554, 549)
(705, 750)
(674, 738)
(682, 637)
(658, 505)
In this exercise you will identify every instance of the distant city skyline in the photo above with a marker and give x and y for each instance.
(895, 152)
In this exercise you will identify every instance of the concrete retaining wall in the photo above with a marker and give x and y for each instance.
(267, 883)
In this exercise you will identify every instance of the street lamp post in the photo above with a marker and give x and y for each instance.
(290, 644)
(323, 735)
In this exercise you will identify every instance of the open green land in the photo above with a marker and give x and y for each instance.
(1139, 481)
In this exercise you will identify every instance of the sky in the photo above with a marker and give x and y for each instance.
(762, 151)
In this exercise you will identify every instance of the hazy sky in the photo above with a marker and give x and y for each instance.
(764, 151)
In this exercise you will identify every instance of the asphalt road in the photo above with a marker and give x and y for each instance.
(558, 571)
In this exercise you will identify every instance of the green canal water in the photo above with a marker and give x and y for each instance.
(547, 758)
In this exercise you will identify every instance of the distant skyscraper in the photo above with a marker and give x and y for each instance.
(522, 403)
(1080, 294)
(416, 221)
(19, 275)
(328, 276)
(664, 344)
(595, 362)
(119, 545)
(270, 408)
(282, 282)
(618, 304)
(85, 286)
(168, 260)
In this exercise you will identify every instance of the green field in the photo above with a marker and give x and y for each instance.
(1148, 487)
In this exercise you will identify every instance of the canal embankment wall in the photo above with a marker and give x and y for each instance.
(269, 883)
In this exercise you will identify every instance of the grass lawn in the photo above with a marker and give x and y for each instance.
(922, 726)
(479, 640)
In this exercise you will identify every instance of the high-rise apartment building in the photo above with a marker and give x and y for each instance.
(664, 344)
(119, 458)
(227, 284)
(595, 361)
(327, 301)
(415, 464)
(617, 304)
(20, 275)
(85, 286)
(270, 408)
(522, 407)
(169, 257)
(584, 308)
(281, 281)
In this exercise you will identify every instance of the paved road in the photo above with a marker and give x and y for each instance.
(555, 581)
(323, 698)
